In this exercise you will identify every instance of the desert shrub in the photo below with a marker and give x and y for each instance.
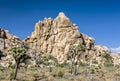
(54, 75)
(46, 63)
(99, 66)
(117, 66)
(108, 58)
(94, 62)
(117, 74)
(50, 61)
(60, 74)
(92, 70)
(26, 80)
(25, 66)
(10, 77)
(12, 66)
(108, 64)
(50, 57)
(1, 68)
(62, 64)
(81, 64)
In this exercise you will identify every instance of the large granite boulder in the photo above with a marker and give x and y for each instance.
(56, 36)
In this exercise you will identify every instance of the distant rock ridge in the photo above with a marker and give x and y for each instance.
(8, 40)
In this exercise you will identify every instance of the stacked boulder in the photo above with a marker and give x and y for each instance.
(56, 36)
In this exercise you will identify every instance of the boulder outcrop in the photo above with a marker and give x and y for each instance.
(7, 40)
(56, 36)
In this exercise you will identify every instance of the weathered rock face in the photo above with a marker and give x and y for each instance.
(55, 36)
(100, 51)
(7, 40)
(116, 59)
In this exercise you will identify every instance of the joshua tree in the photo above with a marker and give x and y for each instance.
(20, 55)
(51, 60)
(75, 52)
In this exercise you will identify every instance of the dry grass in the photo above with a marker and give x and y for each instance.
(43, 74)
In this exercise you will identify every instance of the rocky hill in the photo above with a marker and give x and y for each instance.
(8, 40)
(55, 37)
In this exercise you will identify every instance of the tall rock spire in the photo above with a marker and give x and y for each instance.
(62, 20)
(55, 36)
(62, 15)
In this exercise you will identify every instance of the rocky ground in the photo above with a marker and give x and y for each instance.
(62, 73)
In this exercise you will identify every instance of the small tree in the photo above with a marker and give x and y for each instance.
(75, 52)
(20, 55)
(108, 59)
(50, 60)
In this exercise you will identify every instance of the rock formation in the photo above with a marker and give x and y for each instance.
(116, 59)
(56, 36)
(7, 40)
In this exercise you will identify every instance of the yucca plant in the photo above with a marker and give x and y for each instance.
(20, 55)
(75, 52)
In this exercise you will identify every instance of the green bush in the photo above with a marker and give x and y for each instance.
(107, 64)
(50, 57)
(117, 66)
(82, 64)
(62, 64)
(60, 74)
(94, 62)
(107, 57)
(11, 75)
(1, 68)
(12, 66)
(54, 75)
(92, 70)
(46, 63)
(99, 66)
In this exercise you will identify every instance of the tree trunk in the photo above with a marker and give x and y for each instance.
(71, 68)
(75, 69)
(15, 73)
(50, 68)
